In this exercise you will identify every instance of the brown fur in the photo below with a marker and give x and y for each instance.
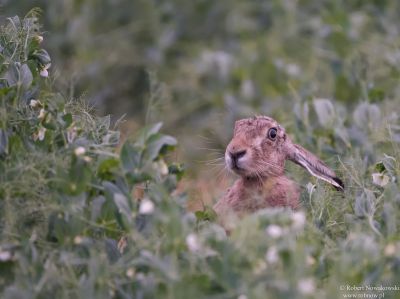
(262, 182)
(249, 195)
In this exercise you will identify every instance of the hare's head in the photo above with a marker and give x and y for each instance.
(256, 149)
(260, 147)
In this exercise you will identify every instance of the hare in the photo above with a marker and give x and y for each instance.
(257, 153)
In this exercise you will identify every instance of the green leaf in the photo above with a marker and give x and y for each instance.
(325, 112)
(111, 188)
(26, 76)
(364, 205)
(130, 156)
(346, 89)
(49, 123)
(389, 218)
(376, 95)
(3, 142)
(116, 196)
(148, 132)
(66, 120)
(111, 138)
(176, 169)
(15, 144)
(103, 123)
(380, 167)
(107, 167)
(79, 176)
(367, 115)
(390, 164)
(342, 133)
(122, 204)
(157, 143)
(96, 206)
(111, 248)
(138, 177)
(42, 56)
(18, 74)
(15, 22)
(208, 214)
(5, 90)
(12, 75)
(154, 129)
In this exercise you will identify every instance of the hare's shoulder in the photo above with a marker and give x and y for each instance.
(281, 191)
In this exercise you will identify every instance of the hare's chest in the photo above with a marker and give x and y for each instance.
(244, 197)
(247, 200)
(280, 192)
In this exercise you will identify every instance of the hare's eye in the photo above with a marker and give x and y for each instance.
(272, 133)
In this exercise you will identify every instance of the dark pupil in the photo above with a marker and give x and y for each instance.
(272, 133)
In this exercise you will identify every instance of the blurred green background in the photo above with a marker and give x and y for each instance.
(199, 65)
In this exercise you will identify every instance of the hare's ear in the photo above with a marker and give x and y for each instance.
(315, 166)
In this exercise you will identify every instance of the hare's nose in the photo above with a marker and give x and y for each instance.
(237, 155)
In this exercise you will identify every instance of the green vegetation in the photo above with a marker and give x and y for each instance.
(86, 215)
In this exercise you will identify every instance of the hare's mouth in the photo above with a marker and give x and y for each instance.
(234, 167)
(238, 169)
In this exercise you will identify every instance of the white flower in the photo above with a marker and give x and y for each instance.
(274, 231)
(122, 244)
(5, 256)
(87, 159)
(146, 207)
(293, 70)
(71, 134)
(42, 114)
(79, 151)
(298, 220)
(44, 71)
(310, 260)
(39, 38)
(130, 272)
(41, 134)
(35, 103)
(78, 240)
(380, 179)
(306, 286)
(193, 243)
(272, 256)
(161, 166)
(242, 297)
(390, 250)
